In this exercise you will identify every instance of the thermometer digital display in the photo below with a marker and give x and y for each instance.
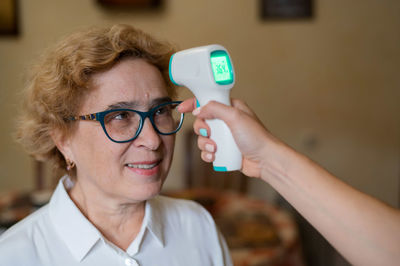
(222, 67)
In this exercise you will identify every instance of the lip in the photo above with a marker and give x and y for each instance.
(144, 171)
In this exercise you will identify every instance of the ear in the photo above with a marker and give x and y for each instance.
(63, 143)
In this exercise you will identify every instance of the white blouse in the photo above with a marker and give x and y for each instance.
(173, 232)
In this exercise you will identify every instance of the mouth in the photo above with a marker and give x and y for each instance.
(147, 168)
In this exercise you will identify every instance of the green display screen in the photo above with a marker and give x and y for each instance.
(221, 67)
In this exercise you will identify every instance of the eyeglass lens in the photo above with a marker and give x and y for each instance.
(123, 125)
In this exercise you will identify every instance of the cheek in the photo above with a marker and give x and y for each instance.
(92, 150)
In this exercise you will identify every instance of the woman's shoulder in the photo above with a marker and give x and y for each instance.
(194, 223)
(24, 229)
(21, 238)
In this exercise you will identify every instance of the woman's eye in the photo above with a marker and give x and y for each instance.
(117, 116)
(121, 116)
(163, 110)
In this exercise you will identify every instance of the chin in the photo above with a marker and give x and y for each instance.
(145, 192)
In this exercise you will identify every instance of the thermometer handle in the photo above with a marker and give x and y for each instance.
(228, 156)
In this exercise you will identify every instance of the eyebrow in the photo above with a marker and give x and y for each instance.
(135, 104)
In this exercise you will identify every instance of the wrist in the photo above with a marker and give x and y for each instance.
(277, 160)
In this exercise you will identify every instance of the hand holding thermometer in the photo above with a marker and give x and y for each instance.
(208, 72)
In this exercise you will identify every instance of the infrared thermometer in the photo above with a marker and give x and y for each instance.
(208, 72)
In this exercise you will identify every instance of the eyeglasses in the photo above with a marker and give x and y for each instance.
(124, 125)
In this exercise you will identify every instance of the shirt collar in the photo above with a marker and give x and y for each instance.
(155, 222)
(152, 223)
(71, 224)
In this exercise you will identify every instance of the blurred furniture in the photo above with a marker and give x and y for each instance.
(201, 174)
(256, 232)
(15, 205)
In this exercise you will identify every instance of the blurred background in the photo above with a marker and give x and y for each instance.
(327, 83)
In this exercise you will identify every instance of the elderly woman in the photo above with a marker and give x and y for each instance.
(100, 105)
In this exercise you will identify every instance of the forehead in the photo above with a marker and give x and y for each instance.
(131, 80)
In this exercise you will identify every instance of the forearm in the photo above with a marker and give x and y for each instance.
(363, 229)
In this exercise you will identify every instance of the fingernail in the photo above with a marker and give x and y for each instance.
(208, 156)
(209, 148)
(203, 132)
(196, 111)
(179, 108)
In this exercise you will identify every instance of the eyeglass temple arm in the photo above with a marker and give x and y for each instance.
(84, 117)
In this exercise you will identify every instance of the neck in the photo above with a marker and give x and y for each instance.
(118, 221)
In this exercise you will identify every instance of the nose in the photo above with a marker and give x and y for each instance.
(148, 137)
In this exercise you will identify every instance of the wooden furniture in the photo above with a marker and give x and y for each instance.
(201, 174)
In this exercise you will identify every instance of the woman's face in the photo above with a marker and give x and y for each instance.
(113, 168)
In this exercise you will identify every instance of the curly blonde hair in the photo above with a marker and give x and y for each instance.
(63, 75)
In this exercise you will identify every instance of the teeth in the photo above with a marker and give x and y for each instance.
(142, 166)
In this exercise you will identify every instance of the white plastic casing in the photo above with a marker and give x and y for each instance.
(192, 68)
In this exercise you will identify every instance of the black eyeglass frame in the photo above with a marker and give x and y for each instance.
(143, 115)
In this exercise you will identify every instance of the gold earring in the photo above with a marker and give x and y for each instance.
(70, 164)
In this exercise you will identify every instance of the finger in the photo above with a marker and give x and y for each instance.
(187, 105)
(216, 110)
(207, 157)
(229, 114)
(201, 128)
(206, 144)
